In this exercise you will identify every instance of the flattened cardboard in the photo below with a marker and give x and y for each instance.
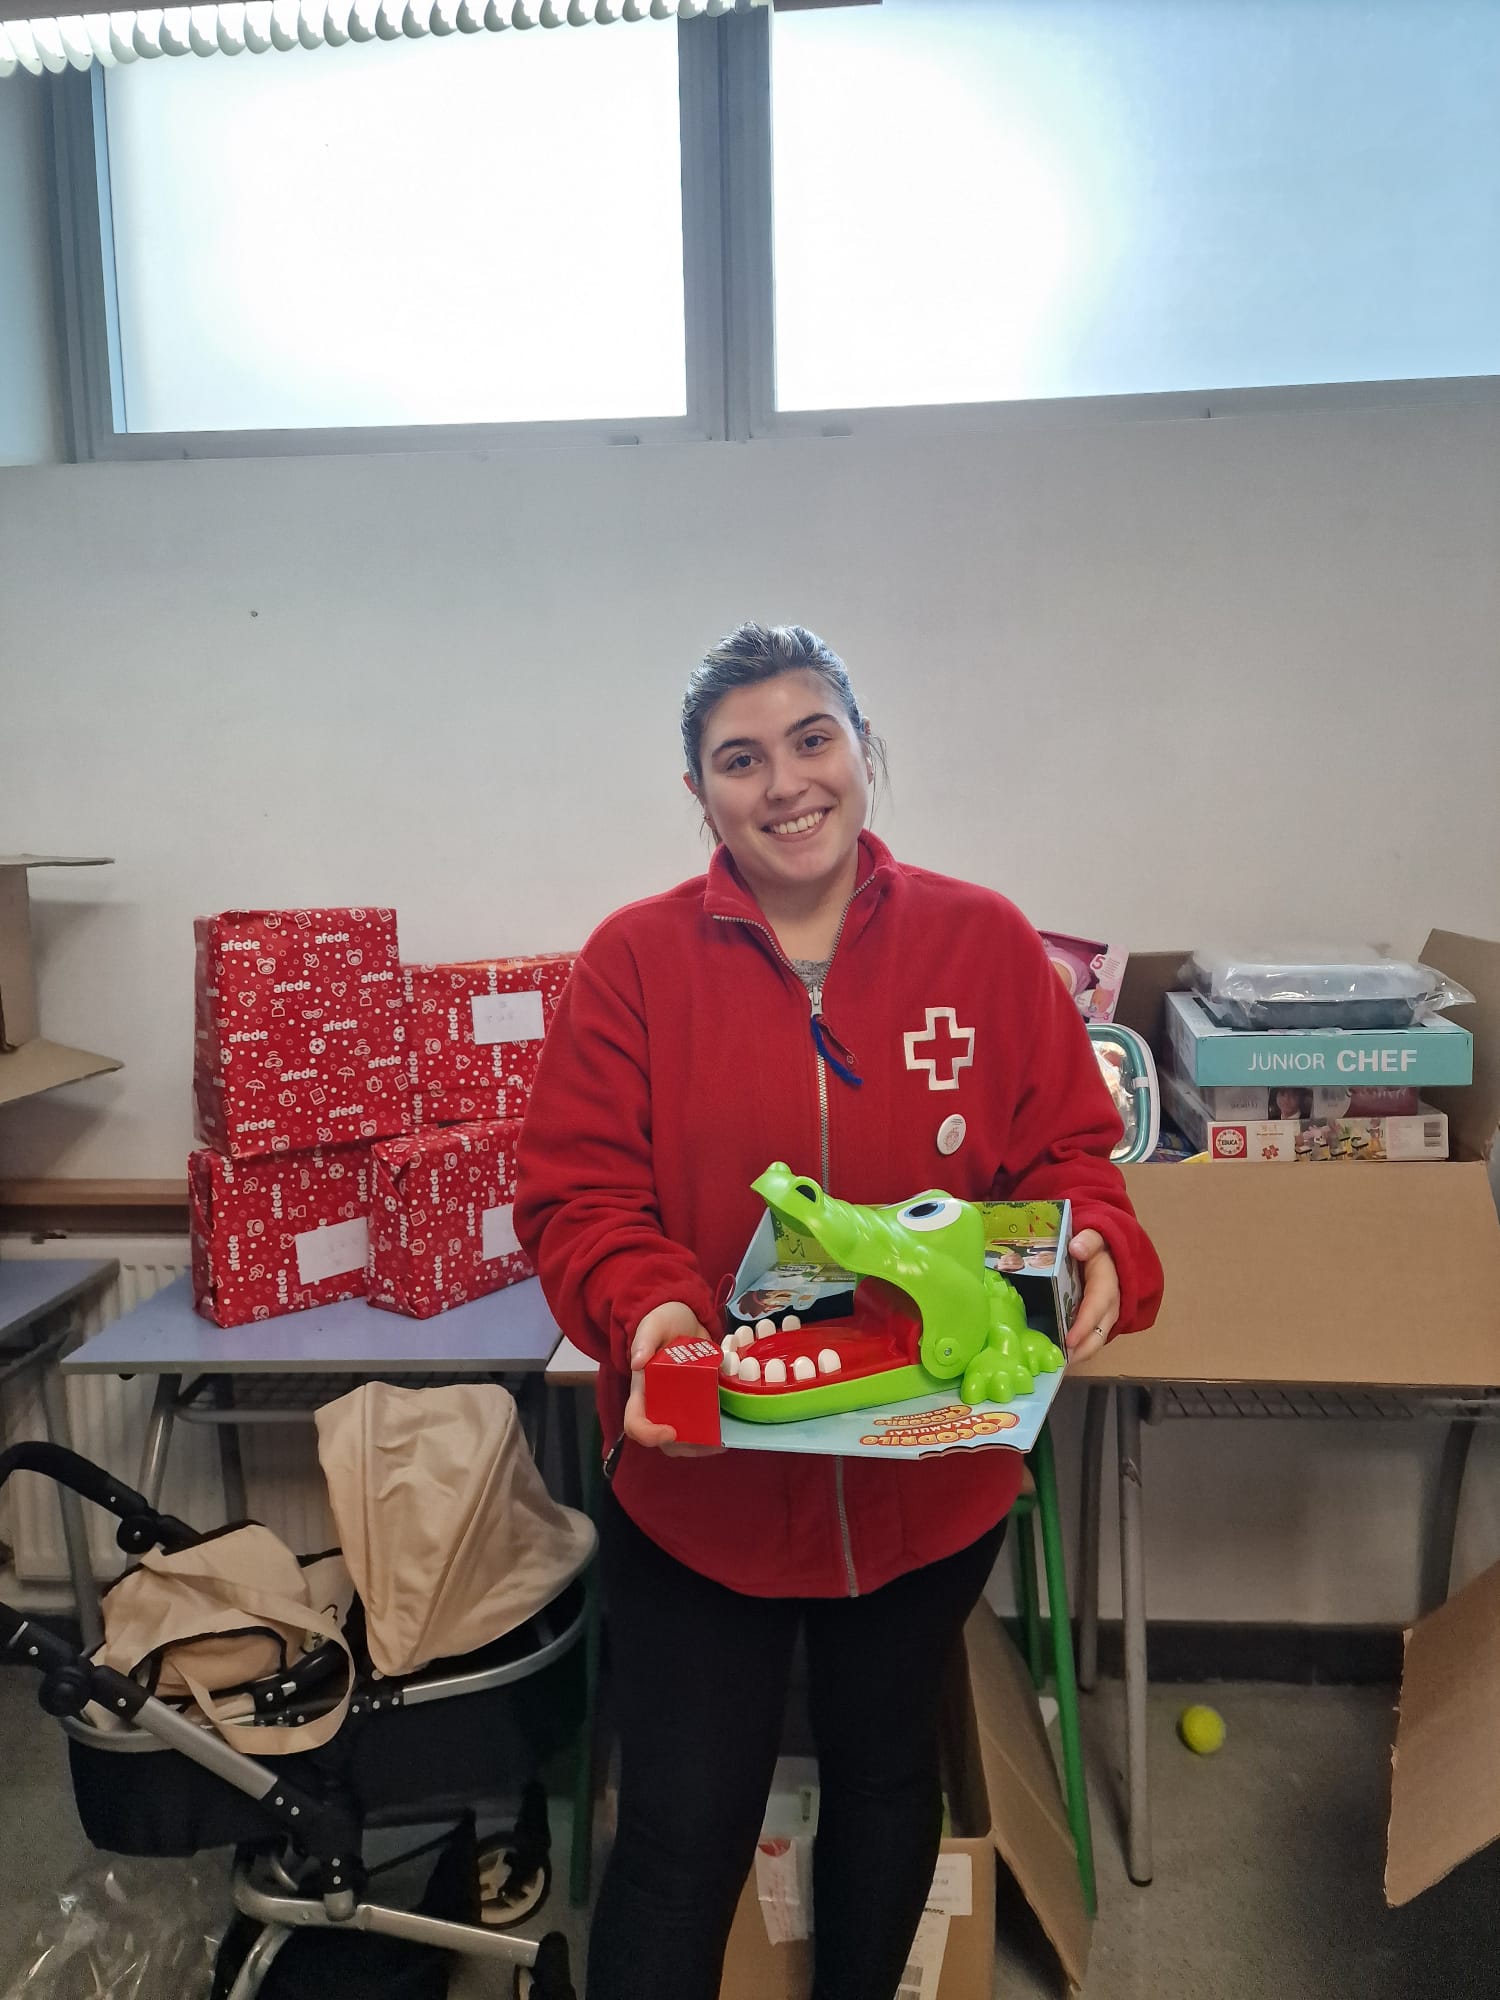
(1028, 1822)
(1267, 1273)
(1445, 1770)
(28, 1064)
(39, 1066)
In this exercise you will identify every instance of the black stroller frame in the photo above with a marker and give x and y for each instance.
(297, 1823)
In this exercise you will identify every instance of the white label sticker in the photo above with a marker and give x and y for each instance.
(783, 1888)
(498, 1232)
(924, 1962)
(331, 1251)
(507, 1017)
(953, 1885)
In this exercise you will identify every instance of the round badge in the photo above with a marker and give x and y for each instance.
(951, 1134)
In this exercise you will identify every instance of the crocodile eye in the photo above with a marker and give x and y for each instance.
(806, 1190)
(932, 1211)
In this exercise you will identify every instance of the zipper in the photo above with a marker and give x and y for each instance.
(822, 1057)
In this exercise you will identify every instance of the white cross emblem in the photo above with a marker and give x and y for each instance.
(951, 1048)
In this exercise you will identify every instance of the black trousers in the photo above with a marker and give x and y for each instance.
(700, 1677)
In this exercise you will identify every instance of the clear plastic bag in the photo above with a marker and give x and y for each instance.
(1359, 988)
(125, 1930)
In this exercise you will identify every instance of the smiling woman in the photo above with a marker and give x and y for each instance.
(783, 763)
(692, 1044)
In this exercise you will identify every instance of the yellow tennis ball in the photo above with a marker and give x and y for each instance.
(1201, 1729)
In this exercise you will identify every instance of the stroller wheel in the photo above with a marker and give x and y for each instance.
(548, 1979)
(515, 1869)
(509, 1890)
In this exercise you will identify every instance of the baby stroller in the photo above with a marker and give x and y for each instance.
(424, 1748)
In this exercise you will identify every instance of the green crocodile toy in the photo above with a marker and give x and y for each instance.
(928, 1311)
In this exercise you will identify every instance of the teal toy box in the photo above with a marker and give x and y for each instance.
(1204, 1054)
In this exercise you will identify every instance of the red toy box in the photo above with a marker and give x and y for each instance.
(277, 1236)
(681, 1388)
(442, 1226)
(300, 1030)
(476, 1034)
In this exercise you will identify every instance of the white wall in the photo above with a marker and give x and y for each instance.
(30, 414)
(1159, 680)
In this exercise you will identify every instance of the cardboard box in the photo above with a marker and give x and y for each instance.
(1197, 1049)
(300, 1030)
(28, 1063)
(1004, 1800)
(1445, 1770)
(1430, 1322)
(476, 1033)
(278, 1235)
(1026, 1241)
(1421, 1137)
(442, 1226)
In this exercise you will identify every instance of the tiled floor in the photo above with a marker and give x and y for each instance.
(1268, 1861)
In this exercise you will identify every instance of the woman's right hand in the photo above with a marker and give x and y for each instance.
(671, 1321)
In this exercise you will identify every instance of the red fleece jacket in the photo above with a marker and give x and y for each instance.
(682, 1062)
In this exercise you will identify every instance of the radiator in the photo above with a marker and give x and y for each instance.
(108, 1416)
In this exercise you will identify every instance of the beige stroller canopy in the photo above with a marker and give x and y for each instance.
(449, 1534)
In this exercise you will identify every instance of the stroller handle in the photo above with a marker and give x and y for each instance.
(141, 1526)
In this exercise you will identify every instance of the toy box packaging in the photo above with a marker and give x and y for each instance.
(476, 1034)
(300, 1035)
(1202, 1053)
(912, 1354)
(1236, 1102)
(1423, 1136)
(1092, 972)
(442, 1227)
(278, 1235)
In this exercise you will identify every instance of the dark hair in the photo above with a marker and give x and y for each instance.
(754, 653)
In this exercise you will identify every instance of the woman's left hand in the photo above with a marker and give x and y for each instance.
(1099, 1307)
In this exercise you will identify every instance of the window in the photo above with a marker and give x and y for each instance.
(979, 202)
(480, 230)
(916, 212)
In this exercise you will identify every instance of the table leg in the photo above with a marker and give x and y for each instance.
(1442, 1519)
(1128, 1403)
(75, 1532)
(1095, 1414)
(158, 1437)
(231, 1465)
(1045, 1470)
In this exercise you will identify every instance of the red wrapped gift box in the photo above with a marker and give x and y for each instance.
(300, 1030)
(441, 1228)
(476, 1034)
(276, 1236)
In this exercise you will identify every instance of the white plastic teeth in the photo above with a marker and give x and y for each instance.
(828, 1362)
(729, 1367)
(743, 1337)
(804, 1368)
(791, 1324)
(775, 1373)
(764, 1328)
(749, 1369)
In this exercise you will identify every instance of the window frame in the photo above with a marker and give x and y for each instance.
(724, 80)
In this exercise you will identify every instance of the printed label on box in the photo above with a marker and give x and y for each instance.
(924, 1962)
(507, 1017)
(330, 1251)
(498, 1232)
(953, 1885)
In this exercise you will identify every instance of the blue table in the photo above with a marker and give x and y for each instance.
(510, 1332)
(41, 1301)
